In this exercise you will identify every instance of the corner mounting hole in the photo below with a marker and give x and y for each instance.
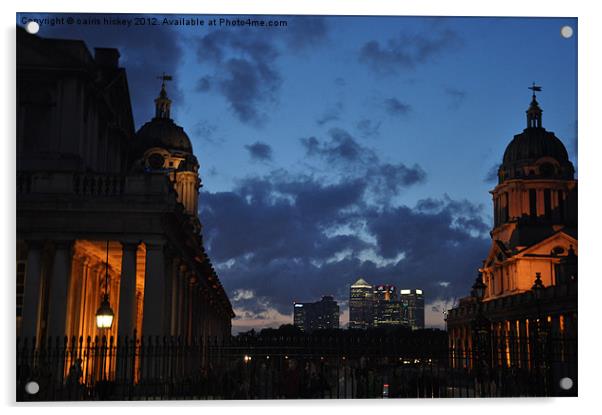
(566, 32)
(32, 27)
(566, 383)
(32, 387)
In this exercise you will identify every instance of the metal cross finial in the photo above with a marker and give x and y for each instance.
(535, 88)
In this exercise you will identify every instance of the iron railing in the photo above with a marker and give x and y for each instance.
(288, 368)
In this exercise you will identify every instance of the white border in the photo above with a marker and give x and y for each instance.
(589, 33)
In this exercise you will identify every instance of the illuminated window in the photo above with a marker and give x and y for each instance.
(518, 343)
(561, 323)
(507, 342)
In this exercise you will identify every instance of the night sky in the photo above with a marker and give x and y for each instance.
(340, 147)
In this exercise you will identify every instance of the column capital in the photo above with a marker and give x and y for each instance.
(155, 245)
(130, 245)
(35, 243)
(63, 243)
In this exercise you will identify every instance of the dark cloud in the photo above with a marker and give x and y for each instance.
(383, 180)
(456, 97)
(204, 84)
(305, 32)
(284, 237)
(407, 50)
(395, 107)
(492, 174)
(244, 63)
(146, 52)
(260, 151)
(206, 131)
(244, 70)
(342, 148)
(368, 128)
(388, 179)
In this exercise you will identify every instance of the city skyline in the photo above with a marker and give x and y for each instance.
(345, 321)
(315, 151)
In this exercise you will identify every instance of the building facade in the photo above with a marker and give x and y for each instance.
(412, 308)
(361, 305)
(381, 306)
(387, 309)
(529, 276)
(102, 209)
(323, 314)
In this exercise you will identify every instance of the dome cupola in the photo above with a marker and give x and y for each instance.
(163, 146)
(535, 153)
(162, 131)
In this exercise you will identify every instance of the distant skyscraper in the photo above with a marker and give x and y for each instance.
(361, 303)
(412, 308)
(323, 314)
(387, 310)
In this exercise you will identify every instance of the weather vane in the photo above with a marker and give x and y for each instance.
(164, 78)
(534, 88)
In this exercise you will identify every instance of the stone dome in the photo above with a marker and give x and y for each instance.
(535, 153)
(163, 133)
(533, 144)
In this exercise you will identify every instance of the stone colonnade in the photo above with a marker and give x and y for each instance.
(513, 341)
(151, 289)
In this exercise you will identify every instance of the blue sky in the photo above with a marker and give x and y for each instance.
(339, 147)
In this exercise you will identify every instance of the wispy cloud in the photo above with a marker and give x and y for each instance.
(406, 51)
(260, 151)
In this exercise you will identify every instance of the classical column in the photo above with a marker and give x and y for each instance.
(168, 258)
(191, 278)
(82, 293)
(59, 284)
(74, 314)
(127, 290)
(32, 294)
(175, 296)
(182, 302)
(154, 322)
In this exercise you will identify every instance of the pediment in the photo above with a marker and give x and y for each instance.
(557, 244)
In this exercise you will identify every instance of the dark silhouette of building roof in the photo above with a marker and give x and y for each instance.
(163, 133)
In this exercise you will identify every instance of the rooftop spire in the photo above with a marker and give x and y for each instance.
(534, 112)
(162, 102)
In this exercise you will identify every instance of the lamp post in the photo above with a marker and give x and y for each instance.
(537, 290)
(481, 334)
(104, 314)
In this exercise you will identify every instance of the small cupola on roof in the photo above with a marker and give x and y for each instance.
(162, 102)
(161, 131)
(534, 112)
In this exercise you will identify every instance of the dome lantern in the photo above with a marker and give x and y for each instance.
(162, 102)
(534, 111)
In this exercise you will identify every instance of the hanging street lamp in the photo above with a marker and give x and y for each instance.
(104, 314)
